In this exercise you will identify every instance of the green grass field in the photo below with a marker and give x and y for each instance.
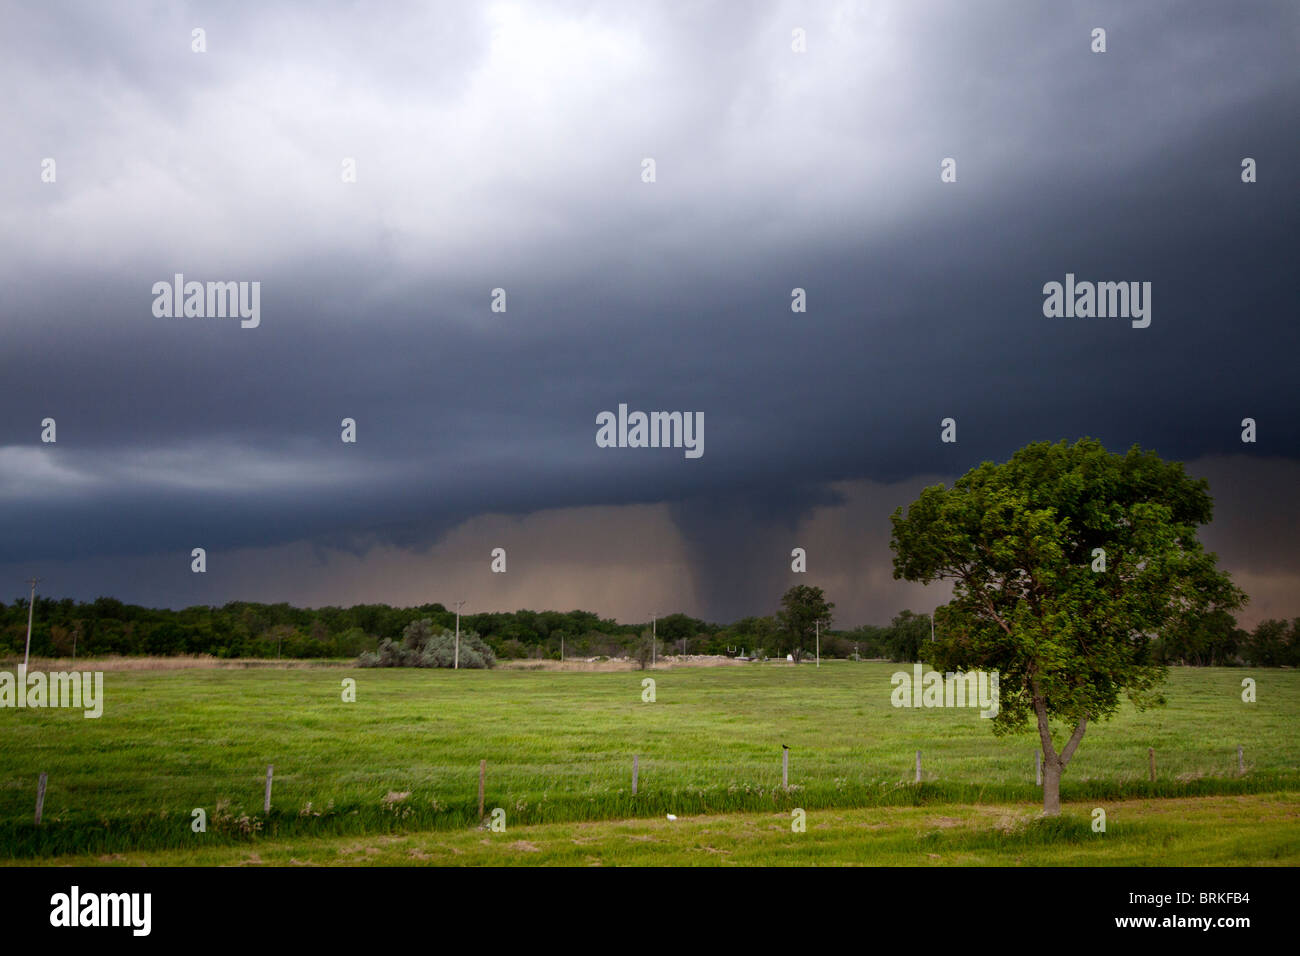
(403, 760)
(1194, 831)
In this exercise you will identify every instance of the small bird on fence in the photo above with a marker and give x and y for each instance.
(784, 747)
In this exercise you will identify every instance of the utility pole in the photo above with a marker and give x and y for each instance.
(31, 604)
(817, 627)
(654, 638)
(931, 627)
(456, 661)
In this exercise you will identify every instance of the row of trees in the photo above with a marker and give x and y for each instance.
(64, 628)
(1212, 639)
(68, 628)
(1215, 639)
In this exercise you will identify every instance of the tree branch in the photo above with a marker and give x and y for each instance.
(1073, 742)
(988, 603)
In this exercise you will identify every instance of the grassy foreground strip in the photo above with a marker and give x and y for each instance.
(404, 757)
(1262, 829)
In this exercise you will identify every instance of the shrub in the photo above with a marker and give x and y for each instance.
(642, 650)
(422, 647)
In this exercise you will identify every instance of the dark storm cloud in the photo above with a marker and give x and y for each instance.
(502, 147)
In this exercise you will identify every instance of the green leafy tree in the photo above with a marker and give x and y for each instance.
(61, 640)
(907, 634)
(1023, 543)
(869, 640)
(801, 608)
(275, 638)
(1206, 639)
(749, 634)
(1271, 644)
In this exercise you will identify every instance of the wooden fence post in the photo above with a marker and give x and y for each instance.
(266, 805)
(40, 798)
(785, 767)
(918, 766)
(1241, 760)
(636, 758)
(1151, 759)
(482, 774)
(1038, 767)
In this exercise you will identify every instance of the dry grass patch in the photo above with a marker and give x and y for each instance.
(180, 662)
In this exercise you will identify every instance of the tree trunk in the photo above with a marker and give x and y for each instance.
(1053, 763)
(1051, 787)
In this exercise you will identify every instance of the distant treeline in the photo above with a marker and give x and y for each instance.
(1209, 640)
(64, 628)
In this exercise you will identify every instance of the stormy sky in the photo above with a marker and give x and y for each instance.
(502, 146)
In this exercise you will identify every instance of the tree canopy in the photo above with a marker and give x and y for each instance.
(1066, 561)
(803, 608)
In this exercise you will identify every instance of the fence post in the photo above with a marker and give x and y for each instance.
(1241, 761)
(482, 774)
(785, 767)
(1038, 767)
(1151, 759)
(266, 805)
(636, 758)
(918, 766)
(40, 798)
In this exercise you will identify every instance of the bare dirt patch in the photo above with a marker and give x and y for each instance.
(944, 823)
